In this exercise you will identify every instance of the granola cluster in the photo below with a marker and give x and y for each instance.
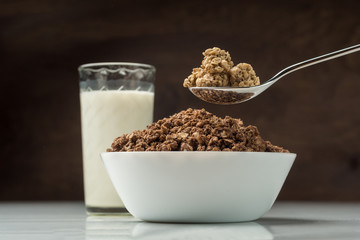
(217, 70)
(195, 130)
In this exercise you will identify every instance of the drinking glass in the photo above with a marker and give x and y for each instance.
(115, 98)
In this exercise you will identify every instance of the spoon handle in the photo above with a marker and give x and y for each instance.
(315, 60)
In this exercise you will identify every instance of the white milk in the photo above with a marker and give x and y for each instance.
(106, 115)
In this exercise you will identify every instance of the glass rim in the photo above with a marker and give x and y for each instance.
(89, 66)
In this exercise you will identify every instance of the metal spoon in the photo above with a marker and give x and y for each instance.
(233, 95)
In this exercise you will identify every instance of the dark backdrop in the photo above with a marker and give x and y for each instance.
(313, 112)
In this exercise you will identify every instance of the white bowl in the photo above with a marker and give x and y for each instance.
(198, 186)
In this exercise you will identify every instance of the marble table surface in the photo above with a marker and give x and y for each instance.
(286, 220)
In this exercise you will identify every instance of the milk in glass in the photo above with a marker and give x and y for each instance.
(106, 115)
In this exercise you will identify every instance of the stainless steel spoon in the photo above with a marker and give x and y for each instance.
(233, 95)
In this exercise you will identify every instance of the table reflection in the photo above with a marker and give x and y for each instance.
(98, 228)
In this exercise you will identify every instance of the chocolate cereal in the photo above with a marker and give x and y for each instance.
(195, 130)
(221, 96)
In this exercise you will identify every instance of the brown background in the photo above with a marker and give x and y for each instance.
(313, 112)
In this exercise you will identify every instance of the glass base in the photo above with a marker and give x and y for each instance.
(106, 211)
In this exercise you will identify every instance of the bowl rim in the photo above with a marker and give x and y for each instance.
(198, 152)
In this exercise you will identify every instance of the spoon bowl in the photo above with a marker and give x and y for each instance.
(228, 95)
(234, 95)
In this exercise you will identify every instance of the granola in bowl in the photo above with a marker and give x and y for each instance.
(195, 130)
